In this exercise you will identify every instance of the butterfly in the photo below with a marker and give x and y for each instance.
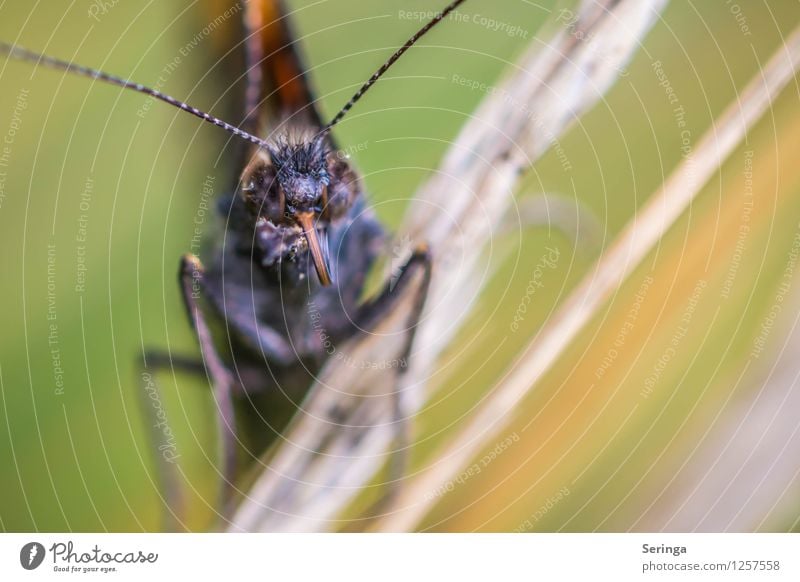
(285, 284)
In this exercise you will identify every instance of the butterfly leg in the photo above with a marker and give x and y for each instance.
(162, 360)
(261, 338)
(414, 278)
(190, 277)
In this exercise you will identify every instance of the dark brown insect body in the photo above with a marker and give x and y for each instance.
(265, 262)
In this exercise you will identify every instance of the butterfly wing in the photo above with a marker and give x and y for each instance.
(260, 44)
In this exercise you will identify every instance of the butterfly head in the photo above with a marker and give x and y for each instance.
(295, 189)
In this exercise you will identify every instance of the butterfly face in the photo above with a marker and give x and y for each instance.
(295, 190)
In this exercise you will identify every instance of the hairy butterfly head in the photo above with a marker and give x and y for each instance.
(294, 190)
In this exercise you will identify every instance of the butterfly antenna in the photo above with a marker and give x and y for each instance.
(22, 54)
(385, 67)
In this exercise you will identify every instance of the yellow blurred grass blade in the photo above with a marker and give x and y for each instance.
(637, 413)
(738, 468)
(614, 267)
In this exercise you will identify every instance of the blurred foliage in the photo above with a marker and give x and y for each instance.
(79, 460)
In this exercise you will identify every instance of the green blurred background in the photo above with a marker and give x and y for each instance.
(84, 163)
